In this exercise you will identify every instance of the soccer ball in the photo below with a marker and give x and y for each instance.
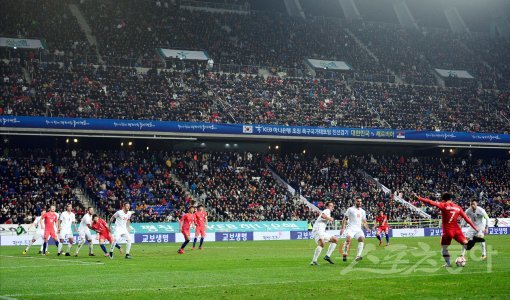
(460, 261)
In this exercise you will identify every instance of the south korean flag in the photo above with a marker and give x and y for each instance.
(247, 129)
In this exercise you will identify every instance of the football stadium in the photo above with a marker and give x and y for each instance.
(254, 149)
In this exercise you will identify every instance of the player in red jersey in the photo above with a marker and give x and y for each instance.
(450, 212)
(382, 226)
(185, 223)
(101, 228)
(48, 221)
(200, 226)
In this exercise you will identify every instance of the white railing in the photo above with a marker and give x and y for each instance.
(292, 191)
(397, 198)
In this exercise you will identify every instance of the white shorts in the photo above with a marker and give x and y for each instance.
(355, 233)
(471, 233)
(38, 235)
(65, 234)
(85, 234)
(119, 234)
(321, 235)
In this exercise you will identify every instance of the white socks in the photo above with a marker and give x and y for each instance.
(484, 249)
(331, 248)
(79, 246)
(60, 247)
(29, 245)
(318, 251)
(360, 248)
(128, 246)
(346, 248)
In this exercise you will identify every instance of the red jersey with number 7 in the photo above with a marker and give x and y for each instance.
(450, 212)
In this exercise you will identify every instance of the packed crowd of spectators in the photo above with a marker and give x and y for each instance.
(32, 180)
(445, 50)
(133, 30)
(197, 95)
(436, 108)
(495, 53)
(140, 178)
(336, 178)
(413, 55)
(238, 187)
(130, 32)
(120, 93)
(123, 93)
(487, 180)
(13, 87)
(393, 46)
(50, 21)
(232, 188)
(272, 100)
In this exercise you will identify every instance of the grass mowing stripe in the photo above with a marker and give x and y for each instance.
(42, 266)
(242, 284)
(55, 259)
(410, 267)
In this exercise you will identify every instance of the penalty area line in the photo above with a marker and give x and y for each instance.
(166, 288)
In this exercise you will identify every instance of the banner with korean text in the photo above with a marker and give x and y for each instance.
(22, 43)
(454, 73)
(328, 64)
(183, 54)
(7, 123)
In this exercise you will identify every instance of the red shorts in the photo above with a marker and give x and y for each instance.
(456, 234)
(106, 237)
(186, 233)
(382, 229)
(200, 231)
(50, 232)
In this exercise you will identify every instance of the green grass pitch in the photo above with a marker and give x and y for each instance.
(408, 268)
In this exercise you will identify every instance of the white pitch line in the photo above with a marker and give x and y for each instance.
(7, 298)
(54, 259)
(165, 288)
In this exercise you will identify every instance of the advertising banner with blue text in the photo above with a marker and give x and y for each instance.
(203, 129)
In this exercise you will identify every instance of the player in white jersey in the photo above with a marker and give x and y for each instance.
(84, 232)
(481, 220)
(66, 220)
(355, 216)
(122, 226)
(321, 236)
(38, 234)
